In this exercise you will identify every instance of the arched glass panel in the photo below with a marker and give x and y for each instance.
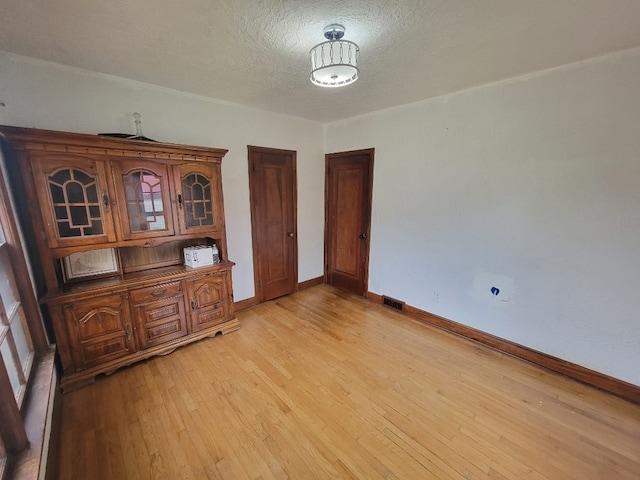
(76, 207)
(198, 201)
(143, 195)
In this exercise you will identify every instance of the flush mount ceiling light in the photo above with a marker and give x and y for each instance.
(334, 63)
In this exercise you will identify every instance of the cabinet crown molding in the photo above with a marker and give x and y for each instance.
(66, 142)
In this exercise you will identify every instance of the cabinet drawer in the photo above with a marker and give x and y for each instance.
(156, 292)
(161, 321)
(208, 317)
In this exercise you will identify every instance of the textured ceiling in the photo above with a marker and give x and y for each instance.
(255, 53)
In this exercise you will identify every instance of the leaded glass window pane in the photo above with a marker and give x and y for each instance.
(198, 201)
(76, 203)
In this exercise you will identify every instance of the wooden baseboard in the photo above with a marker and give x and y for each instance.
(312, 282)
(599, 380)
(246, 303)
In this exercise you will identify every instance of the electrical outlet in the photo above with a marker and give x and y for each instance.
(436, 297)
(493, 288)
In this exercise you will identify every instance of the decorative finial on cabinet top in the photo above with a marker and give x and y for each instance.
(138, 136)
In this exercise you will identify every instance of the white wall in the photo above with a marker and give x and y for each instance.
(45, 95)
(532, 186)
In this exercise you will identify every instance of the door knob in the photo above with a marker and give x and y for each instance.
(363, 236)
(291, 234)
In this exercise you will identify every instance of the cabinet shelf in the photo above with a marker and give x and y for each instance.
(125, 281)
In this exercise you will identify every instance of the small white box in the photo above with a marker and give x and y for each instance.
(200, 256)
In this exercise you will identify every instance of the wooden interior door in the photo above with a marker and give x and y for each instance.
(348, 186)
(272, 185)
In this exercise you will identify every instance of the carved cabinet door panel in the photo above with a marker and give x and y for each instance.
(99, 329)
(208, 299)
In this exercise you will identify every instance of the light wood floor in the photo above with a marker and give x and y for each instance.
(324, 385)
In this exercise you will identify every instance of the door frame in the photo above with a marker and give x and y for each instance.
(259, 291)
(369, 207)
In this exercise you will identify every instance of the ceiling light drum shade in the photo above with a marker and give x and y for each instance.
(334, 63)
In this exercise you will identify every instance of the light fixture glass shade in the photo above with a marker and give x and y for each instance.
(334, 63)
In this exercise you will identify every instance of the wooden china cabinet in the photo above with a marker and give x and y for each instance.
(111, 218)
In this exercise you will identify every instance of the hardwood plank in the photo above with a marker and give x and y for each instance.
(323, 384)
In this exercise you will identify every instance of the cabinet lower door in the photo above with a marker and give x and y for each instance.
(99, 329)
(161, 321)
(208, 301)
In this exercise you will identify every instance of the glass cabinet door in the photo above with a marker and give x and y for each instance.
(198, 199)
(76, 192)
(144, 198)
